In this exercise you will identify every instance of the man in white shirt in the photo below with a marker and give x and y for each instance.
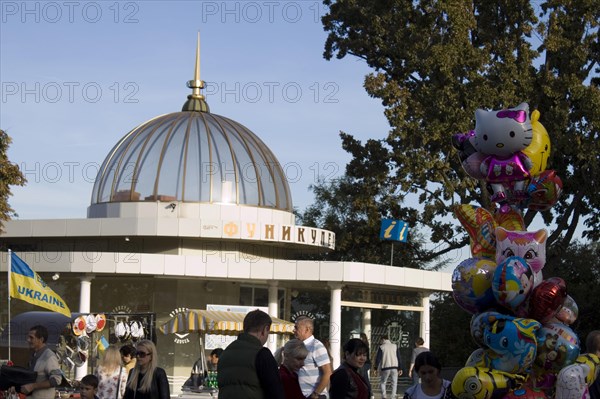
(389, 364)
(314, 376)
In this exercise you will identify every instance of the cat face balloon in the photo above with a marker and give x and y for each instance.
(530, 246)
(503, 133)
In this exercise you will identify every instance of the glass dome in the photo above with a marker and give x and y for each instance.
(192, 156)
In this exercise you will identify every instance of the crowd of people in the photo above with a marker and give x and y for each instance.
(247, 369)
(122, 373)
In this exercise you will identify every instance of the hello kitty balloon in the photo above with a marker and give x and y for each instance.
(502, 136)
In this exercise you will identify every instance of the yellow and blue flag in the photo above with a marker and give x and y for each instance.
(102, 343)
(27, 285)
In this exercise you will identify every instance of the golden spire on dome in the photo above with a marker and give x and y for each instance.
(196, 101)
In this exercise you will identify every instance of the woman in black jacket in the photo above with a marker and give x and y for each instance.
(146, 380)
(347, 381)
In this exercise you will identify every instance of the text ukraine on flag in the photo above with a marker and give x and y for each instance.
(28, 286)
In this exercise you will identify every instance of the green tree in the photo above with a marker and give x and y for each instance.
(579, 266)
(10, 175)
(435, 63)
(450, 332)
(347, 207)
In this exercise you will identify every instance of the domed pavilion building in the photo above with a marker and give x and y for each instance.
(192, 210)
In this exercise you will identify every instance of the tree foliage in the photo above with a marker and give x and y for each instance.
(450, 332)
(348, 208)
(435, 63)
(579, 266)
(10, 175)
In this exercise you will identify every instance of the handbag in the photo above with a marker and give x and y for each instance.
(119, 382)
(15, 376)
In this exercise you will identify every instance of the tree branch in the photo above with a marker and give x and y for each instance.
(564, 219)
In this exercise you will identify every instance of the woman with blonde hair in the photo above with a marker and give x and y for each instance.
(112, 377)
(294, 352)
(146, 380)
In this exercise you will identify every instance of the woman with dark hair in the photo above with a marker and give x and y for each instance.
(347, 381)
(128, 357)
(432, 386)
(147, 380)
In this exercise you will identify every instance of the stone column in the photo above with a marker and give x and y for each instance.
(85, 298)
(335, 322)
(366, 323)
(273, 312)
(425, 319)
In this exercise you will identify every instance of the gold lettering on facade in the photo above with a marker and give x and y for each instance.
(251, 229)
(286, 233)
(269, 231)
(230, 229)
(300, 236)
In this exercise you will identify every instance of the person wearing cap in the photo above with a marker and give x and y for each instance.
(246, 368)
(45, 363)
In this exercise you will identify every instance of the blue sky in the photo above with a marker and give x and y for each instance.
(77, 76)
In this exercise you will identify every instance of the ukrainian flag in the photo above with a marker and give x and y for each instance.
(102, 343)
(27, 285)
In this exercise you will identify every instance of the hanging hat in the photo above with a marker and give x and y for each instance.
(100, 322)
(83, 342)
(79, 325)
(122, 330)
(137, 331)
(90, 323)
(79, 358)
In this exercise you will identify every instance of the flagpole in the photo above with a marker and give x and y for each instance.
(9, 322)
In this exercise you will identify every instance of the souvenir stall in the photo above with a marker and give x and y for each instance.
(203, 382)
(78, 341)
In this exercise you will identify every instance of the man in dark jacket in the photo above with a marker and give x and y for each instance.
(246, 368)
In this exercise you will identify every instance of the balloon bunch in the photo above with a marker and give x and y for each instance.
(520, 320)
(510, 151)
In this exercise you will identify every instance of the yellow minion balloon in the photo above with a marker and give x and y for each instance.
(593, 362)
(539, 149)
(483, 383)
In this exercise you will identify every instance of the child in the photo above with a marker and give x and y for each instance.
(88, 387)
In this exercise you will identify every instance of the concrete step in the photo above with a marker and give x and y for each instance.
(403, 383)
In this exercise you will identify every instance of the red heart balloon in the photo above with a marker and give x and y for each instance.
(547, 299)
